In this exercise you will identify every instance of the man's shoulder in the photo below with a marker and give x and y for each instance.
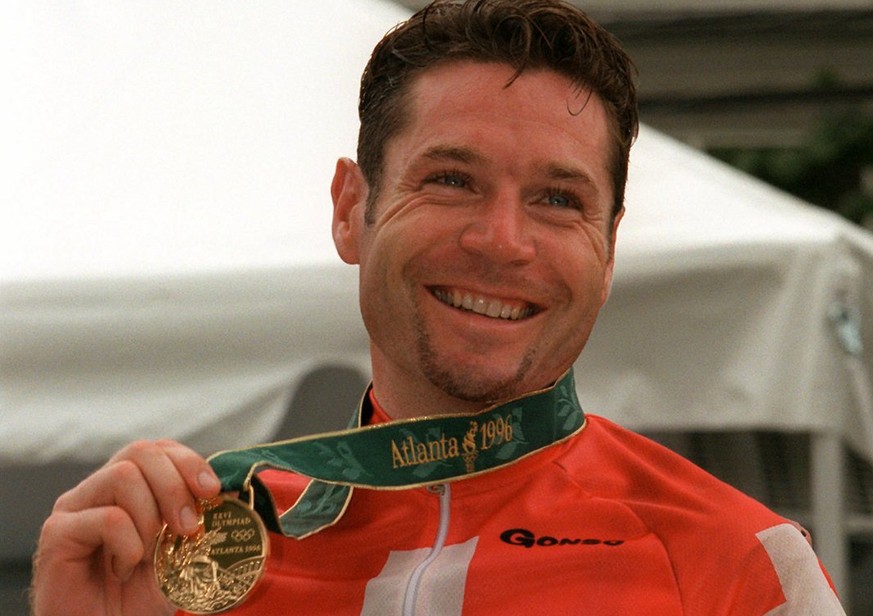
(720, 541)
(654, 480)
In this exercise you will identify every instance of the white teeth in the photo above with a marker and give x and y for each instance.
(491, 308)
(494, 309)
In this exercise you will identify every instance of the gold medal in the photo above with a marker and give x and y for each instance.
(217, 567)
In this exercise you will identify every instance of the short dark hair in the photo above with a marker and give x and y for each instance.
(525, 34)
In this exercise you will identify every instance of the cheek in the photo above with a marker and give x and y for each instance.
(412, 246)
(586, 287)
(385, 260)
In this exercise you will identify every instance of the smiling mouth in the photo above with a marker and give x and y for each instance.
(485, 306)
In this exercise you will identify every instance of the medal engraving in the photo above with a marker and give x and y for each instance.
(215, 568)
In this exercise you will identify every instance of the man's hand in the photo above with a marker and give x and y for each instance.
(95, 551)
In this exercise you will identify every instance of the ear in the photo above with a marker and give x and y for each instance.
(349, 193)
(610, 265)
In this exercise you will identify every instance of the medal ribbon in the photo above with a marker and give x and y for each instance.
(399, 454)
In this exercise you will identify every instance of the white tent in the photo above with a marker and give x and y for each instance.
(167, 263)
(167, 268)
(735, 306)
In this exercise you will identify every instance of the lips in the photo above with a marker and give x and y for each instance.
(493, 307)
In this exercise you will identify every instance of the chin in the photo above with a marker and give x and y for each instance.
(474, 385)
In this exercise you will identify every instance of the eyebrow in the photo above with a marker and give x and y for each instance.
(560, 172)
(571, 174)
(454, 153)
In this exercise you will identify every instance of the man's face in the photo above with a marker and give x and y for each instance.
(490, 253)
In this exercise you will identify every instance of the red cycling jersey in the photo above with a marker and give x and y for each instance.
(606, 523)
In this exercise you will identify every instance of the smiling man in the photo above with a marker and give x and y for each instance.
(488, 252)
(482, 214)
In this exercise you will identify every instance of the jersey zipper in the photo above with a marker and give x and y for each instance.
(411, 595)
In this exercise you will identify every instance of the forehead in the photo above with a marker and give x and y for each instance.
(484, 86)
(539, 114)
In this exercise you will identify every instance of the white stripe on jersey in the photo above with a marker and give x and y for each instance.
(804, 585)
(442, 587)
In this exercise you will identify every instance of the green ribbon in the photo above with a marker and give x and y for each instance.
(399, 454)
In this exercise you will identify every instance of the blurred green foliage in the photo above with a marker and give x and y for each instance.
(832, 168)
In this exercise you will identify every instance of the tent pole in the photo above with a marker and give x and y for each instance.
(828, 508)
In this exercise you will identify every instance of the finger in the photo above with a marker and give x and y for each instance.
(191, 466)
(120, 484)
(170, 470)
(69, 538)
(164, 465)
(194, 469)
(153, 481)
(180, 509)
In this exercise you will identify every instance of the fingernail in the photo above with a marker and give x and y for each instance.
(208, 481)
(188, 519)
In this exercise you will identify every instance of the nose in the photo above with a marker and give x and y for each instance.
(500, 230)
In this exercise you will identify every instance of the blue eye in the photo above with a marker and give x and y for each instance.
(452, 179)
(562, 199)
(559, 200)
